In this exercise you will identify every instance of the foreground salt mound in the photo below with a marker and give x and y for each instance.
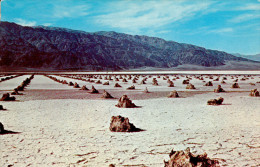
(254, 92)
(173, 94)
(7, 97)
(125, 102)
(187, 159)
(1, 128)
(121, 124)
(218, 101)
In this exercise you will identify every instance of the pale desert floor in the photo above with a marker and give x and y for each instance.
(59, 125)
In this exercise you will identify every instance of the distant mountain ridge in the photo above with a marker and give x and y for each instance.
(255, 57)
(64, 49)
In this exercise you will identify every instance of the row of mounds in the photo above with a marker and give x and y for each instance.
(75, 85)
(9, 77)
(254, 93)
(21, 87)
(122, 124)
(218, 101)
(187, 159)
(135, 78)
(7, 97)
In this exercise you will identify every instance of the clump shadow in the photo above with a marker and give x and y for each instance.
(5, 132)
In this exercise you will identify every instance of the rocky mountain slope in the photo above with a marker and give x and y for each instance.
(64, 49)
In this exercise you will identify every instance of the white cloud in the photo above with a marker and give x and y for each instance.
(62, 11)
(221, 30)
(244, 17)
(25, 22)
(47, 24)
(250, 7)
(149, 14)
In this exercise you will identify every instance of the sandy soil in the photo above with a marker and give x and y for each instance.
(58, 125)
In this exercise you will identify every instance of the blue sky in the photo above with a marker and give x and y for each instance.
(232, 26)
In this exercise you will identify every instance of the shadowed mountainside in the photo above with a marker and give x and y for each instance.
(63, 49)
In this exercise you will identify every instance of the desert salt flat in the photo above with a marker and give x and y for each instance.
(60, 125)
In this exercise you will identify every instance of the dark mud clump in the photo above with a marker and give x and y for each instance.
(187, 159)
(122, 124)
(7, 97)
(106, 95)
(254, 92)
(218, 101)
(125, 102)
(190, 86)
(173, 94)
(219, 89)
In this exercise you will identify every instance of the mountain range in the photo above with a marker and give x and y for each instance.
(255, 57)
(50, 48)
